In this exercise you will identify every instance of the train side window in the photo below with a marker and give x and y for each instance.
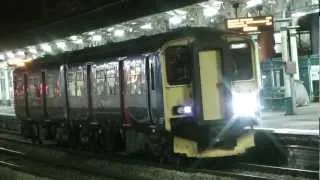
(79, 84)
(178, 65)
(19, 87)
(53, 86)
(135, 76)
(100, 82)
(112, 78)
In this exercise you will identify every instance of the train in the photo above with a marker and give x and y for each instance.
(191, 92)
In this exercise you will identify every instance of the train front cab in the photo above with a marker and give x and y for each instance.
(201, 98)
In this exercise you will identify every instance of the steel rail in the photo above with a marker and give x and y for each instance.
(280, 170)
(224, 173)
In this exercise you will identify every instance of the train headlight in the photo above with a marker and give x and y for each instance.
(182, 110)
(244, 104)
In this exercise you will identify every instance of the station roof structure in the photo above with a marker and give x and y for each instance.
(132, 19)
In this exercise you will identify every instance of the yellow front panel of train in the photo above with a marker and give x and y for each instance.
(209, 63)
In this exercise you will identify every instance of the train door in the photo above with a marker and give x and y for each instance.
(35, 95)
(209, 84)
(135, 90)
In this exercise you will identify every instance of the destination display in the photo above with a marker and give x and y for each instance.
(250, 24)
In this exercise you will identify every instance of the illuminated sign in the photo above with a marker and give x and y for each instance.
(250, 24)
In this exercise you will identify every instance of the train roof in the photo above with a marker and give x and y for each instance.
(144, 44)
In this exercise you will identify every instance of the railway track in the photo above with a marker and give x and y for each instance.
(96, 164)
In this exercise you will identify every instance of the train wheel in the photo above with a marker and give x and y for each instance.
(35, 134)
(84, 136)
(93, 140)
(59, 136)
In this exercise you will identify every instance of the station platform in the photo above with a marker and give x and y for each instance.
(305, 121)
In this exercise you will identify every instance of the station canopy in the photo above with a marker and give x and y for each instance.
(210, 13)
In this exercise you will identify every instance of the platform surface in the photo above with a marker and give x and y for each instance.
(306, 120)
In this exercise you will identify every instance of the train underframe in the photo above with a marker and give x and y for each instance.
(150, 140)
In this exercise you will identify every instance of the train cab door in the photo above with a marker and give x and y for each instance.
(208, 84)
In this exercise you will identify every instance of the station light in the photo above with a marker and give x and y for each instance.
(18, 62)
(73, 38)
(96, 38)
(91, 33)
(20, 53)
(110, 29)
(78, 41)
(61, 45)
(210, 11)
(2, 57)
(298, 14)
(118, 33)
(32, 50)
(10, 54)
(46, 47)
(146, 26)
(253, 3)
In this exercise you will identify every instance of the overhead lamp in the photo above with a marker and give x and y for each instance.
(46, 47)
(146, 26)
(175, 20)
(96, 37)
(20, 53)
(10, 54)
(118, 33)
(2, 57)
(61, 45)
(110, 29)
(78, 41)
(180, 12)
(298, 14)
(253, 3)
(210, 11)
(73, 38)
(32, 50)
(91, 33)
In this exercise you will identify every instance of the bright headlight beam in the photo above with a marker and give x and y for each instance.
(244, 104)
